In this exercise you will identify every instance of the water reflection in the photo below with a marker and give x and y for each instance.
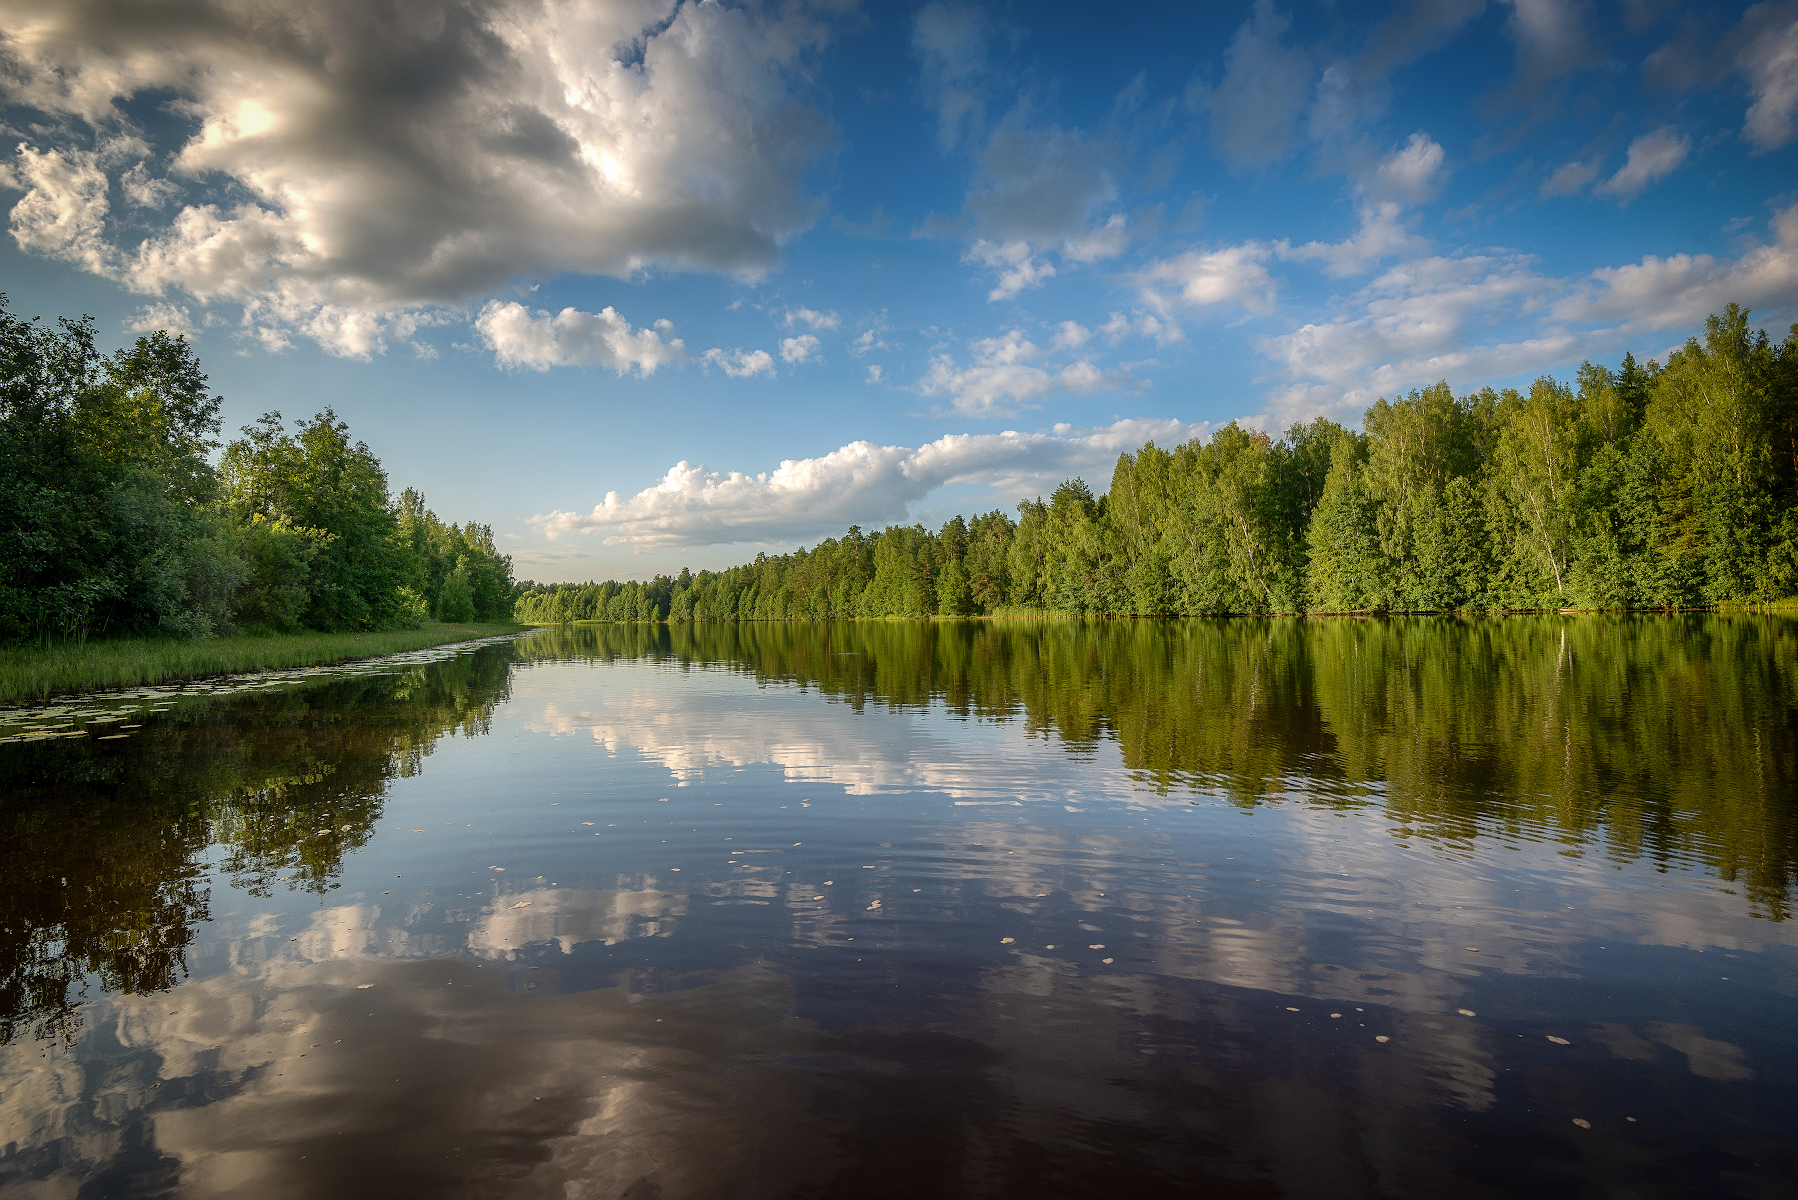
(103, 871)
(927, 909)
(1664, 738)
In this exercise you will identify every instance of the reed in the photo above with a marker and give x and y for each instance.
(34, 673)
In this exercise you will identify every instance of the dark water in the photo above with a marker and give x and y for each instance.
(1234, 908)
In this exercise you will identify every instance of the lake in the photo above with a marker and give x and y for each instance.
(1337, 907)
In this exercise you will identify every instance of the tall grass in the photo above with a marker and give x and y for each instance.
(33, 673)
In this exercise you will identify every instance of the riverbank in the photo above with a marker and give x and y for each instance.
(33, 673)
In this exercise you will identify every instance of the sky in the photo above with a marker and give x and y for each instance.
(646, 285)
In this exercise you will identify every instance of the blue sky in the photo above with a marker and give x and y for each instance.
(646, 284)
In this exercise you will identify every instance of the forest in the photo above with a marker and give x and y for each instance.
(116, 522)
(1648, 486)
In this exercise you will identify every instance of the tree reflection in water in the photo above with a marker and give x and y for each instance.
(1633, 736)
(104, 847)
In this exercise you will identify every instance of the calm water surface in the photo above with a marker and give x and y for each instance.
(1246, 908)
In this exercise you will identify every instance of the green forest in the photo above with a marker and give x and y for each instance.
(116, 522)
(1648, 486)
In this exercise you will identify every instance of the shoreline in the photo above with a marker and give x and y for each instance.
(1788, 607)
(30, 674)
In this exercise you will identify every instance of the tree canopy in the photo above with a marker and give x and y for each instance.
(1643, 486)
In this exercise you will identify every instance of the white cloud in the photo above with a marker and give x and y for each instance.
(1570, 178)
(1107, 241)
(812, 319)
(1651, 156)
(63, 214)
(876, 374)
(387, 163)
(1679, 291)
(740, 364)
(801, 349)
(349, 332)
(867, 341)
(1265, 87)
(1071, 335)
(1018, 268)
(571, 338)
(1414, 326)
(1002, 380)
(1199, 278)
(1005, 350)
(1382, 235)
(1770, 61)
(274, 340)
(1433, 319)
(858, 484)
(1118, 327)
(1411, 174)
(169, 317)
(144, 191)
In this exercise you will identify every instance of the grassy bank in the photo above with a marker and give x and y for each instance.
(31, 673)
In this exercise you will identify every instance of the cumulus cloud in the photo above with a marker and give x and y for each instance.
(858, 484)
(1416, 323)
(1679, 291)
(740, 364)
(169, 317)
(1201, 278)
(1432, 319)
(1018, 267)
(866, 342)
(1382, 235)
(1071, 335)
(1570, 178)
(1770, 61)
(144, 190)
(519, 337)
(876, 374)
(1412, 174)
(63, 214)
(1762, 48)
(378, 161)
(801, 349)
(812, 319)
(1651, 157)
(1117, 327)
(1004, 379)
(1266, 85)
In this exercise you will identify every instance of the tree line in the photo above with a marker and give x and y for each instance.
(115, 520)
(1647, 486)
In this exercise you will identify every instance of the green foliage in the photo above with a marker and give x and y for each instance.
(1646, 486)
(456, 601)
(114, 522)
